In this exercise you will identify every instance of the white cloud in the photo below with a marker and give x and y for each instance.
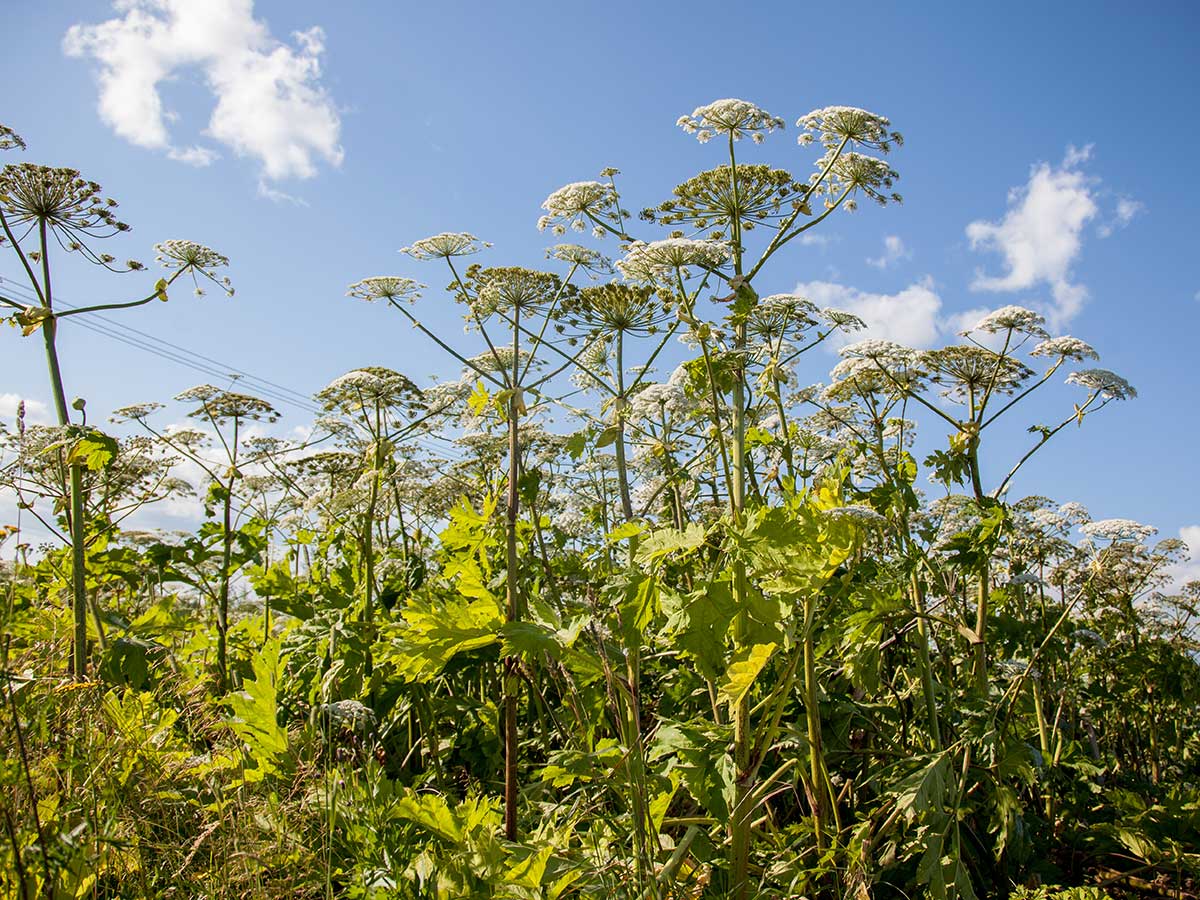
(911, 317)
(36, 412)
(1189, 568)
(813, 239)
(270, 104)
(1077, 155)
(893, 251)
(1041, 235)
(1126, 211)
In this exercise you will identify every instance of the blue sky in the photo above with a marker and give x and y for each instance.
(1065, 131)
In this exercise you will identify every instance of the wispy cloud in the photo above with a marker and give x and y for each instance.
(894, 251)
(270, 104)
(1126, 211)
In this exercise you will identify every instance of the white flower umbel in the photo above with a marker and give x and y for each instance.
(1118, 530)
(648, 262)
(859, 515)
(444, 245)
(1108, 384)
(1013, 318)
(386, 287)
(574, 205)
(835, 124)
(1065, 347)
(732, 118)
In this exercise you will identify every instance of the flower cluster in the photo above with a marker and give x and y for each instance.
(1065, 347)
(1107, 384)
(609, 308)
(193, 258)
(715, 199)
(735, 118)
(850, 173)
(577, 205)
(1118, 530)
(583, 257)
(647, 262)
(220, 406)
(385, 287)
(10, 140)
(445, 245)
(177, 254)
(835, 124)
(1013, 318)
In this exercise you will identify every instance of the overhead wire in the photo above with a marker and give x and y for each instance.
(207, 365)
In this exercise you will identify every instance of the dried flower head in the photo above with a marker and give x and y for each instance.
(135, 413)
(393, 288)
(445, 245)
(193, 258)
(506, 288)
(10, 140)
(221, 406)
(1107, 384)
(712, 200)
(835, 124)
(71, 208)
(733, 118)
(609, 308)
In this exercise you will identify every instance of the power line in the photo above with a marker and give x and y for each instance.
(206, 365)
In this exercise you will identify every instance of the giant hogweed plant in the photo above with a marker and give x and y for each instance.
(45, 211)
(717, 640)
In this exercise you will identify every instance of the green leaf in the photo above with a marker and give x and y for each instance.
(530, 871)
(255, 716)
(94, 450)
(627, 530)
(743, 670)
(698, 622)
(434, 632)
(665, 541)
(607, 436)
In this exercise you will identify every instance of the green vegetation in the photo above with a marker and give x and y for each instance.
(705, 636)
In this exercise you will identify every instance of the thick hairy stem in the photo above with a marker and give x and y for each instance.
(633, 656)
(511, 666)
(813, 716)
(743, 737)
(931, 709)
(78, 530)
